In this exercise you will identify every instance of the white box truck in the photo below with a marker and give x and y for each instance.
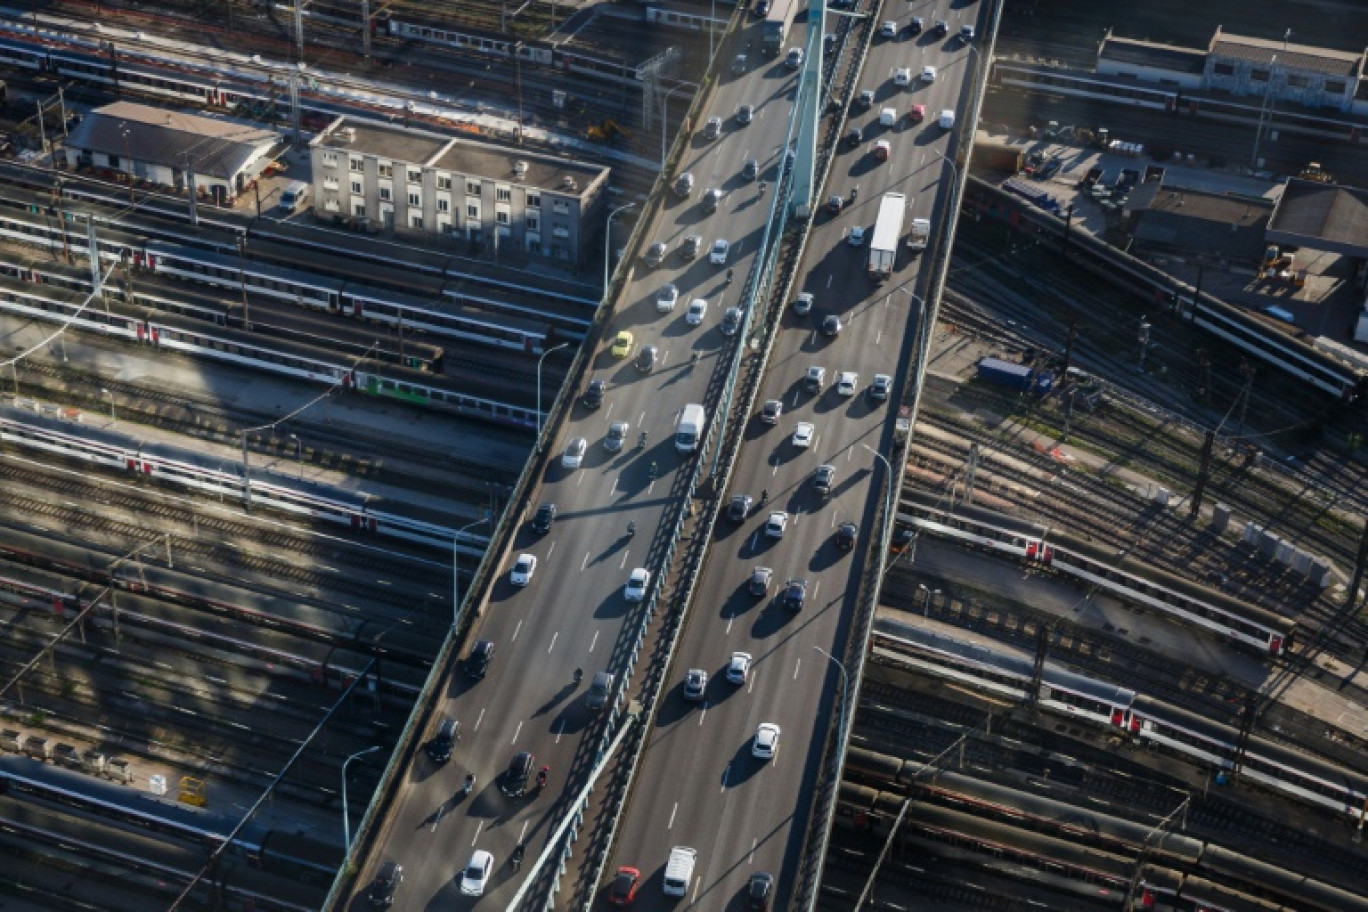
(679, 871)
(690, 428)
(921, 232)
(883, 248)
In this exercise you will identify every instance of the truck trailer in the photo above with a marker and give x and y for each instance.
(883, 248)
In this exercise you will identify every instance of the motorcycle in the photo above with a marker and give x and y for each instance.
(631, 528)
(516, 859)
(542, 775)
(641, 441)
(469, 785)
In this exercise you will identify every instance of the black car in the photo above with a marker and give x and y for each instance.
(854, 136)
(516, 777)
(940, 29)
(846, 535)
(477, 663)
(646, 359)
(758, 891)
(902, 537)
(831, 326)
(916, 25)
(795, 593)
(739, 508)
(387, 881)
(593, 396)
(546, 515)
(442, 743)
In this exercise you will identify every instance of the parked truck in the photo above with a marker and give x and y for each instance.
(995, 157)
(921, 232)
(1020, 377)
(689, 431)
(883, 248)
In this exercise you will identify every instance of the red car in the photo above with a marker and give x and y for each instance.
(917, 114)
(623, 889)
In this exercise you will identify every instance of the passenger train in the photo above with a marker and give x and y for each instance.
(1034, 827)
(1122, 576)
(1147, 721)
(146, 461)
(292, 855)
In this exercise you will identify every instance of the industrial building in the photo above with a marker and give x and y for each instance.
(219, 158)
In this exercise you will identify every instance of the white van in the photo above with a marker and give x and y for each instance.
(947, 119)
(294, 197)
(679, 871)
(888, 117)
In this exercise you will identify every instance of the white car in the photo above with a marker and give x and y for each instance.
(776, 524)
(902, 76)
(766, 742)
(889, 29)
(698, 308)
(738, 669)
(666, 298)
(476, 874)
(802, 435)
(637, 583)
(574, 453)
(847, 383)
(523, 568)
(928, 74)
(856, 237)
(718, 256)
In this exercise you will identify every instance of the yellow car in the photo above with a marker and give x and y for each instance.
(622, 344)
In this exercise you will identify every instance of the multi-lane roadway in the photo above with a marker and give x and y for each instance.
(700, 785)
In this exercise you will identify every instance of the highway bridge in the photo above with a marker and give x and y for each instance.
(664, 762)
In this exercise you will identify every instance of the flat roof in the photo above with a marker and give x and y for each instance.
(394, 143)
(1150, 53)
(493, 162)
(1323, 216)
(1232, 226)
(1292, 56)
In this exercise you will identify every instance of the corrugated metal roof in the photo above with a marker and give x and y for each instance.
(1336, 215)
(1291, 56)
(212, 147)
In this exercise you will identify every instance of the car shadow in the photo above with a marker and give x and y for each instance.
(772, 619)
(739, 603)
(743, 766)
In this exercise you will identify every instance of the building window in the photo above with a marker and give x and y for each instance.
(1297, 82)
(359, 210)
(113, 160)
(534, 201)
(444, 182)
(448, 228)
(386, 169)
(415, 220)
(443, 205)
(358, 164)
(503, 194)
(1223, 69)
(415, 199)
(415, 176)
(533, 222)
(473, 187)
(501, 217)
(473, 213)
(558, 251)
(385, 193)
(356, 187)
(560, 231)
(330, 159)
(1335, 88)
(1258, 75)
(330, 183)
(560, 207)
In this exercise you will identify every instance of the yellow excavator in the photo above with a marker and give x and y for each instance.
(608, 130)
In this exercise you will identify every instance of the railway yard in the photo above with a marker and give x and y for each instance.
(1118, 655)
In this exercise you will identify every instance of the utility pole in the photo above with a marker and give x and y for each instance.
(1068, 410)
(365, 30)
(1068, 222)
(1043, 635)
(1247, 370)
(299, 28)
(189, 188)
(1204, 373)
(1069, 340)
(1360, 560)
(242, 283)
(1203, 473)
(1143, 337)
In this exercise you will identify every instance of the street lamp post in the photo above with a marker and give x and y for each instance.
(346, 817)
(845, 693)
(104, 391)
(299, 454)
(608, 242)
(888, 492)
(946, 159)
(539, 409)
(1263, 112)
(456, 570)
(665, 121)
